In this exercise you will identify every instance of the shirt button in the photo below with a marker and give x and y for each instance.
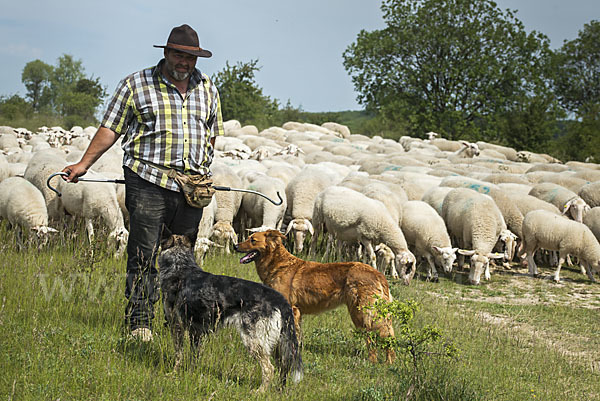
(184, 123)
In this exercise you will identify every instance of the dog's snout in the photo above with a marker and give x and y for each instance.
(235, 247)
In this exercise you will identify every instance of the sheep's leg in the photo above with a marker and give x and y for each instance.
(531, 262)
(589, 271)
(90, 230)
(486, 275)
(561, 260)
(370, 252)
(432, 273)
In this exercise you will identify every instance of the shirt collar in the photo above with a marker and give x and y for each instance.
(195, 78)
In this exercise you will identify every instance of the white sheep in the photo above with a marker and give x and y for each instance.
(227, 207)
(354, 218)
(301, 193)
(546, 230)
(590, 193)
(426, 235)
(434, 197)
(258, 213)
(95, 201)
(468, 151)
(475, 223)
(39, 168)
(564, 199)
(592, 220)
(23, 205)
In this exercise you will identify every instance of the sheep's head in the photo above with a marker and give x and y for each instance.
(510, 244)
(576, 207)
(43, 233)
(479, 264)
(445, 257)
(299, 228)
(403, 260)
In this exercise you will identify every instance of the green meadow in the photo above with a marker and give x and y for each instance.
(62, 336)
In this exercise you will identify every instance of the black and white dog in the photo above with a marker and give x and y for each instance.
(196, 302)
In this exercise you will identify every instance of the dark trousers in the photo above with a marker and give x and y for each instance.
(150, 207)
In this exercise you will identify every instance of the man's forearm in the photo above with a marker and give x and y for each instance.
(100, 143)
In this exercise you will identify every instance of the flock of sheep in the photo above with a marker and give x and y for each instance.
(389, 203)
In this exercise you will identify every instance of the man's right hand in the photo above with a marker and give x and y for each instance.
(75, 171)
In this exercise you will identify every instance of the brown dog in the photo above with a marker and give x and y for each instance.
(312, 287)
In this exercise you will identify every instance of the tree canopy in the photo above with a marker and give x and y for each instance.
(241, 98)
(451, 66)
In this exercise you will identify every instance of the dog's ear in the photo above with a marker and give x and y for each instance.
(187, 240)
(166, 243)
(277, 235)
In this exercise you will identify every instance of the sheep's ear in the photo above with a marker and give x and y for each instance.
(289, 227)
(495, 255)
(311, 230)
(466, 252)
(437, 249)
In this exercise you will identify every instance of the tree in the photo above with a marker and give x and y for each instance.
(450, 66)
(14, 108)
(36, 78)
(241, 98)
(578, 78)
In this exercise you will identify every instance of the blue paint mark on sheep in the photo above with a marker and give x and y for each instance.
(483, 189)
(393, 168)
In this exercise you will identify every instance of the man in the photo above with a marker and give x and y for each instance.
(168, 116)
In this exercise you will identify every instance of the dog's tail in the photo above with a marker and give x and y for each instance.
(288, 350)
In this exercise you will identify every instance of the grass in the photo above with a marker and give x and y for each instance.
(62, 337)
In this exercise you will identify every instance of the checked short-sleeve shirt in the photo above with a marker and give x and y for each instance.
(161, 127)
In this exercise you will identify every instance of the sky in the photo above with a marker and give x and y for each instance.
(298, 44)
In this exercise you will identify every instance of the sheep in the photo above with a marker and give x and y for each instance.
(566, 180)
(339, 129)
(354, 218)
(426, 234)
(381, 192)
(5, 170)
(592, 220)
(92, 201)
(205, 230)
(590, 193)
(475, 222)
(227, 205)
(511, 214)
(564, 199)
(468, 151)
(258, 212)
(546, 230)
(300, 194)
(39, 168)
(23, 205)
(509, 153)
(434, 197)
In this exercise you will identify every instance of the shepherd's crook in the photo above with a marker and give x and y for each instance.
(118, 181)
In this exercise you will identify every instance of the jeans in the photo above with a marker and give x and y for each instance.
(150, 207)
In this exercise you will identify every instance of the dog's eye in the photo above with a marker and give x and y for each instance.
(252, 240)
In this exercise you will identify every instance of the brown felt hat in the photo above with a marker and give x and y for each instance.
(185, 39)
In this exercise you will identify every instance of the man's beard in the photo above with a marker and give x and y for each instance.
(179, 76)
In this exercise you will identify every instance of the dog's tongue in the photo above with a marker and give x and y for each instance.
(248, 258)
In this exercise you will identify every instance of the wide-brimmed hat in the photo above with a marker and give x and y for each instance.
(185, 39)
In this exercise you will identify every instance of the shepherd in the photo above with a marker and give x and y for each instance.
(168, 116)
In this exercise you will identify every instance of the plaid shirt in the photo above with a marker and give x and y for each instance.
(162, 128)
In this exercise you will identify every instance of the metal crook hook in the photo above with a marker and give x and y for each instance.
(52, 176)
(276, 203)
